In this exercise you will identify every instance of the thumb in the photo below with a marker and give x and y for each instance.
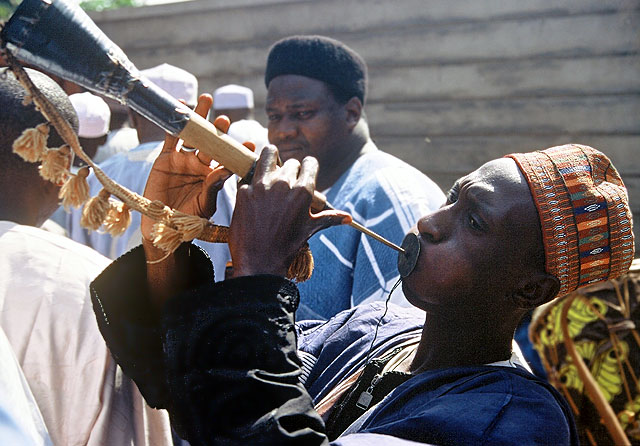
(326, 219)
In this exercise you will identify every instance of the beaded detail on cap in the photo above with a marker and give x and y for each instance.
(584, 214)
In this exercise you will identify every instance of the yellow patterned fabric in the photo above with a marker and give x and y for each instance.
(602, 323)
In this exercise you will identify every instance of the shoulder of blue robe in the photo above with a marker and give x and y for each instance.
(382, 193)
(475, 405)
(380, 177)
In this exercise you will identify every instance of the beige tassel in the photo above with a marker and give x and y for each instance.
(32, 144)
(95, 211)
(189, 226)
(118, 218)
(55, 164)
(165, 237)
(302, 265)
(75, 191)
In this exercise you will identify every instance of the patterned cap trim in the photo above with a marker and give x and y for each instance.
(584, 214)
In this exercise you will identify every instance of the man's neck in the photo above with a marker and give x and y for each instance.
(21, 218)
(358, 148)
(449, 343)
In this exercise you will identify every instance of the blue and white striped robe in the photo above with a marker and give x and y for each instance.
(386, 195)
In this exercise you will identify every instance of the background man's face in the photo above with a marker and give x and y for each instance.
(305, 119)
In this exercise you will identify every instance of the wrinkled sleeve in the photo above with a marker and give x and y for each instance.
(128, 322)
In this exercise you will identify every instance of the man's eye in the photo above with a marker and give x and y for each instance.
(474, 223)
(304, 114)
(272, 117)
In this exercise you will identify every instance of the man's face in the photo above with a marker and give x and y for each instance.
(305, 119)
(475, 249)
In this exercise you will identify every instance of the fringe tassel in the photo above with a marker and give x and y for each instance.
(302, 265)
(189, 226)
(118, 218)
(75, 191)
(55, 164)
(32, 144)
(165, 237)
(95, 211)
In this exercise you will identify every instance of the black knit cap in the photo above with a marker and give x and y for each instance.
(321, 58)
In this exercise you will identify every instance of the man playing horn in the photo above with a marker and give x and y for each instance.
(232, 367)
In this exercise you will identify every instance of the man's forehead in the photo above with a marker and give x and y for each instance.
(295, 86)
(501, 170)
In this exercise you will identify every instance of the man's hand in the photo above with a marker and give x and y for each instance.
(184, 179)
(272, 220)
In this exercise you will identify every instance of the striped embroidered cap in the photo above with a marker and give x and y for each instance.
(584, 214)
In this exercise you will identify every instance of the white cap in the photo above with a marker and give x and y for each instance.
(232, 96)
(93, 115)
(177, 82)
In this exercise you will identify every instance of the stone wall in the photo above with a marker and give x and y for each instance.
(452, 83)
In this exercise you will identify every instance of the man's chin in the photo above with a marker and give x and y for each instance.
(410, 295)
(423, 303)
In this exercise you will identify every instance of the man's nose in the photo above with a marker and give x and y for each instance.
(286, 129)
(434, 227)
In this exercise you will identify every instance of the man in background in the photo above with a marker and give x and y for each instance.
(317, 89)
(94, 117)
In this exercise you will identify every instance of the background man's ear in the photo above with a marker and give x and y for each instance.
(353, 107)
(536, 290)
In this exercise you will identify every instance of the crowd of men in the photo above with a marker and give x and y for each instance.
(108, 341)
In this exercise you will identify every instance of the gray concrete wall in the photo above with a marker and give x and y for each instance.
(452, 83)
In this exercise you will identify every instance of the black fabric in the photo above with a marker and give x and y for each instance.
(320, 58)
(217, 392)
(127, 318)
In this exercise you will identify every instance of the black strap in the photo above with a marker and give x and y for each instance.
(372, 386)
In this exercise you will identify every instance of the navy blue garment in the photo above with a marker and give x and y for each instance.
(223, 359)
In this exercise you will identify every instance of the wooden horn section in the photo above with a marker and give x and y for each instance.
(203, 135)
